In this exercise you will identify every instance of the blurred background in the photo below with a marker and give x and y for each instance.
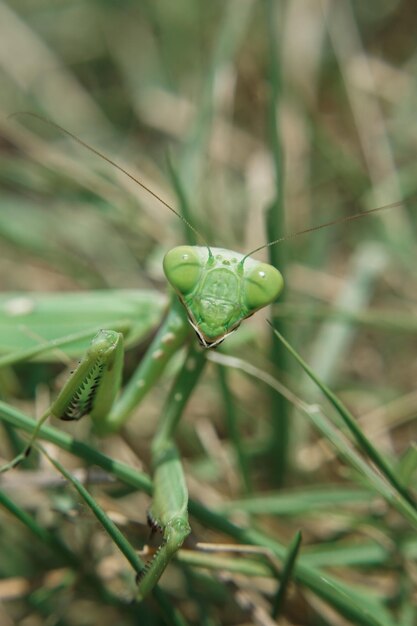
(303, 108)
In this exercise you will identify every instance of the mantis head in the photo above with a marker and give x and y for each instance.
(220, 288)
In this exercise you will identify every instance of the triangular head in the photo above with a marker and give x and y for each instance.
(220, 288)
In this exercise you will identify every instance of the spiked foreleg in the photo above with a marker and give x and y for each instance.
(169, 513)
(169, 509)
(91, 388)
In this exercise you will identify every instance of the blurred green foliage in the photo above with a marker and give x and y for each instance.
(190, 81)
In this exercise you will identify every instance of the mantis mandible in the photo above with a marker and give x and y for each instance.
(214, 290)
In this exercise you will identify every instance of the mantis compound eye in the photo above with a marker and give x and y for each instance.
(262, 285)
(182, 267)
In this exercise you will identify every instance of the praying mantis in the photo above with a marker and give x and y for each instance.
(213, 291)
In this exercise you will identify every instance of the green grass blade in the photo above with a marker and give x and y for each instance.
(44, 535)
(383, 320)
(110, 527)
(332, 341)
(213, 561)
(362, 441)
(275, 224)
(334, 436)
(407, 466)
(55, 544)
(286, 576)
(171, 615)
(364, 611)
(184, 205)
(346, 451)
(300, 501)
(234, 434)
(233, 22)
(360, 553)
(78, 448)
(351, 602)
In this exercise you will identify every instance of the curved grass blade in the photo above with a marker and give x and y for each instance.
(56, 545)
(362, 441)
(110, 527)
(171, 615)
(347, 600)
(332, 434)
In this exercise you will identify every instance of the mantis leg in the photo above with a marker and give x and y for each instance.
(91, 388)
(169, 509)
(94, 385)
(170, 337)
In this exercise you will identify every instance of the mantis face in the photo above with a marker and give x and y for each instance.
(219, 290)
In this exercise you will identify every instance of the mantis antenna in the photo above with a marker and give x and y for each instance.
(348, 218)
(114, 164)
(341, 220)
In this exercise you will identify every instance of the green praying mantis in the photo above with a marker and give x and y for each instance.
(213, 291)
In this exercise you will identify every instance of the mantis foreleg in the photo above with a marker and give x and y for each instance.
(91, 389)
(169, 509)
(94, 385)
